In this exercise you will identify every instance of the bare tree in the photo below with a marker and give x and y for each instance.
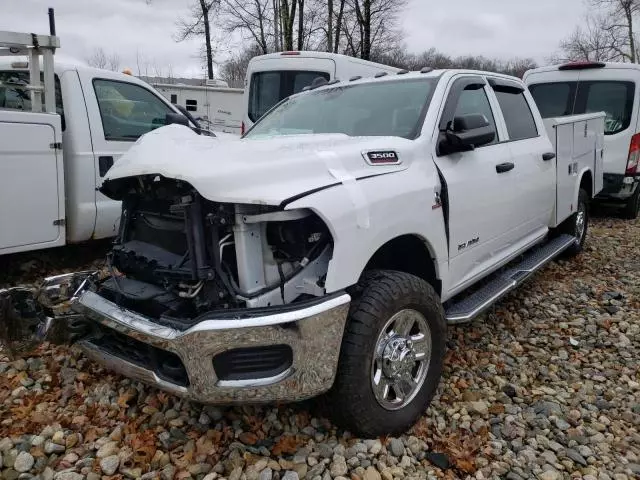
(113, 62)
(619, 26)
(234, 70)
(98, 58)
(198, 24)
(371, 25)
(253, 19)
(608, 33)
(287, 17)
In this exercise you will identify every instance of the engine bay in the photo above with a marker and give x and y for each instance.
(178, 256)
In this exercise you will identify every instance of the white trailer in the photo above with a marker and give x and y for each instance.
(218, 108)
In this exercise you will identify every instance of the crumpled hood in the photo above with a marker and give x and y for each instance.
(265, 171)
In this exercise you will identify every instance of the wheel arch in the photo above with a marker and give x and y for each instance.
(408, 253)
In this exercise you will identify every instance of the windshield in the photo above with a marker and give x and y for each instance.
(268, 88)
(367, 109)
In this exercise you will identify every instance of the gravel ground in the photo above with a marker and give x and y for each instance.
(546, 386)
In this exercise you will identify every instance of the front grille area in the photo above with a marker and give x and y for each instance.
(253, 363)
(166, 365)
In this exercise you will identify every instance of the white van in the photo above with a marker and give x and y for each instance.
(275, 76)
(583, 87)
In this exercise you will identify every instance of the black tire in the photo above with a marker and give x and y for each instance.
(378, 297)
(632, 208)
(571, 225)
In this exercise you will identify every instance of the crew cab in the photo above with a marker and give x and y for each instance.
(327, 250)
(52, 160)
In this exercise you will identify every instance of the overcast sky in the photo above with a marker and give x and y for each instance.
(494, 28)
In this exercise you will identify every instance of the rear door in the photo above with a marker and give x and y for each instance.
(533, 183)
(120, 112)
(479, 185)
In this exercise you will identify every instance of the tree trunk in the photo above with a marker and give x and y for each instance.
(336, 42)
(207, 37)
(288, 17)
(276, 25)
(632, 42)
(329, 25)
(301, 25)
(366, 27)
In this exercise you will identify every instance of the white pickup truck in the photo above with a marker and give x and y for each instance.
(53, 159)
(327, 250)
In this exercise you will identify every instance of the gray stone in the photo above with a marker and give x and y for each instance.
(68, 476)
(397, 447)
(50, 447)
(23, 462)
(324, 450)
(110, 464)
(338, 466)
(266, 474)
(290, 475)
(576, 457)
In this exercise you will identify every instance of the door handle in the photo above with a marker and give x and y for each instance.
(548, 156)
(504, 167)
(104, 164)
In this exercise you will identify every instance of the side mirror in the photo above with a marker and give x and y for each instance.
(176, 118)
(465, 133)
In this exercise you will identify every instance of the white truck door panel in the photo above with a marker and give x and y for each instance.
(119, 113)
(31, 182)
(479, 184)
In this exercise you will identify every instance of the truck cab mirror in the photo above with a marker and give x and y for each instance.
(465, 133)
(176, 118)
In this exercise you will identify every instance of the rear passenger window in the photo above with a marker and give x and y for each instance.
(517, 115)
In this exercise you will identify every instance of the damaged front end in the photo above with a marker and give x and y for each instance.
(220, 303)
(29, 317)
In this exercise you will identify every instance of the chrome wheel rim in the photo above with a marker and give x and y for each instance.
(401, 359)
(580, 221)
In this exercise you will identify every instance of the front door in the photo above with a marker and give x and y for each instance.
(478, 185)
(120, 112)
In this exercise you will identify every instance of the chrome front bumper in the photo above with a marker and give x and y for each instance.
(314, 334)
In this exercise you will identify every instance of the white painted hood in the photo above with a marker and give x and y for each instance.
(265, 171)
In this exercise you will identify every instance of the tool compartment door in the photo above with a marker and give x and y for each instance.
(31, 182)
(578, 141)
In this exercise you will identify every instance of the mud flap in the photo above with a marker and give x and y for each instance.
(29, 317)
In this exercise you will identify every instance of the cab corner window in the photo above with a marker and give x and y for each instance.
(14, 94)
(517, 115)
(128, 111)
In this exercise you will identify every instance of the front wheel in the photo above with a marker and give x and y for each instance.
(392, 354)
(577, 224)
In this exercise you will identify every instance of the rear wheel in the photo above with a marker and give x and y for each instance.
(577, 224)
(632, 208)
(392, 354)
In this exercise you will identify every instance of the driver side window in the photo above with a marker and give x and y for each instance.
(475, 101)
(128, 111)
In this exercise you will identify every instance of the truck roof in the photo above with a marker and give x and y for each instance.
(59, 67)
(573, 66)
(323, 55)
(425, 73)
